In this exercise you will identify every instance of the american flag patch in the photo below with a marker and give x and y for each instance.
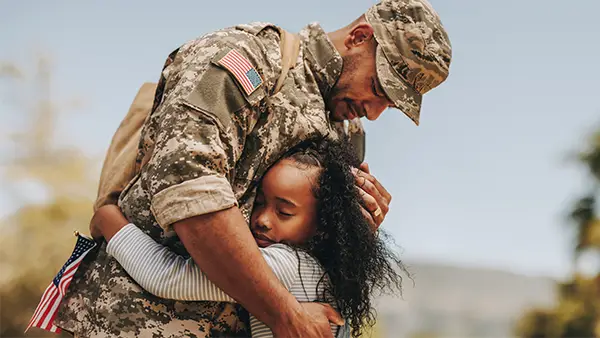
(242, 70)
(44, 315)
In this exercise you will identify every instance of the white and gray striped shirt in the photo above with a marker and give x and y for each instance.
(167, 275)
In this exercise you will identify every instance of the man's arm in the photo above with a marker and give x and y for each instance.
(262, 293)
(159, 268)
(166, 274)
(223, 247)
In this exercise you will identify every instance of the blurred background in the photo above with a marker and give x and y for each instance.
(494, 194)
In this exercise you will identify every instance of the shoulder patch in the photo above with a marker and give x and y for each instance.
(242, 70)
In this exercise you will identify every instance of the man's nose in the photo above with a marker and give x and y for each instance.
(374, 110)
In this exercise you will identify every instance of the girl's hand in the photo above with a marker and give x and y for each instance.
(107, 221)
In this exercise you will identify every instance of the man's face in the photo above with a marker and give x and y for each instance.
(358, 92)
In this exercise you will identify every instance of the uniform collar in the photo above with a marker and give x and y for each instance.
(321, 56)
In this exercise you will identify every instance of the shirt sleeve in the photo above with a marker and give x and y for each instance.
(167, 275)
(200, 129)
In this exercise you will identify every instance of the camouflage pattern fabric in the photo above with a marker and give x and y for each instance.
(207, 143)
(413, 52)
(203, 149)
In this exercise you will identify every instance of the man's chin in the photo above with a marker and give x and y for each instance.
(339, 113)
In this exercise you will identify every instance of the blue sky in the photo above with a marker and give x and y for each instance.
(484, 181)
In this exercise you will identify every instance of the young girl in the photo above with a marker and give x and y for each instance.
(308, 224)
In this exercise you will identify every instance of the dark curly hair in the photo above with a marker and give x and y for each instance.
(356, 259)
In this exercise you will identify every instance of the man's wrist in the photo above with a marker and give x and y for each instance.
(285, 317)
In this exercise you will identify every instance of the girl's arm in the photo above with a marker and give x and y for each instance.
(167, 275)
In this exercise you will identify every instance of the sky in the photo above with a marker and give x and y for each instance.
(484, 181)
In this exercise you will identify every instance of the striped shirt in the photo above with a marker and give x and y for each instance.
(167, 275)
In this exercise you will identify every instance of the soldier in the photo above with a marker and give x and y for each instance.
(216, 125)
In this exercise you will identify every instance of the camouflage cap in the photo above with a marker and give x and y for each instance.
(413, 52)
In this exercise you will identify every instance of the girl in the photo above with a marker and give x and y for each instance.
(308, 224)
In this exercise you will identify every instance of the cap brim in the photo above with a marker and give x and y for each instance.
(404, 96)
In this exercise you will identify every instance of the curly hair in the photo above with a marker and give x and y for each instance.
(355, 259)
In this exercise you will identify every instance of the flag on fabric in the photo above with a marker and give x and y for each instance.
(242, 70)
(44, 314)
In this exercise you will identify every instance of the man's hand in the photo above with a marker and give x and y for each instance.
(312, 321)
(375, 198)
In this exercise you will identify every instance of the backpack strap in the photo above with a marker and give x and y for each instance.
(290, 48)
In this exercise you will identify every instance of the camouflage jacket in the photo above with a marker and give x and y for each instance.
(212, 134)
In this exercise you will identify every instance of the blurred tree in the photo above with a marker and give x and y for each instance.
(37, 239)
(585, 212)
(577, 313)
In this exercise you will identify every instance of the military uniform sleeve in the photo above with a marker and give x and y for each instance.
(201, 133)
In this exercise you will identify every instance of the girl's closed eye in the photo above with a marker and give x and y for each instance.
(286, 213)
(285, 207)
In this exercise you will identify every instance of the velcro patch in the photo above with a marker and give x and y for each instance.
(242, 70)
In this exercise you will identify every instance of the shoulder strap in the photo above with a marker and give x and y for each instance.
(290, 48)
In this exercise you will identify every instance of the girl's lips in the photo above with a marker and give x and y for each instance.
(262, 240)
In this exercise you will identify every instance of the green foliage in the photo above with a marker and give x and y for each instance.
(577, 313)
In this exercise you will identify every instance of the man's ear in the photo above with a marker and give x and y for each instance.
(359, 35)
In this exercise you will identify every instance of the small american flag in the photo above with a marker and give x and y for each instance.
(242, 69)
(44, 314)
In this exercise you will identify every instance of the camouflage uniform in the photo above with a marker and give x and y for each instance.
(208, 141)
(204, 148)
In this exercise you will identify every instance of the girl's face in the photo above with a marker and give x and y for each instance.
(285, 207)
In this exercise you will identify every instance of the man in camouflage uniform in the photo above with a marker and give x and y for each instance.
(213, 132)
